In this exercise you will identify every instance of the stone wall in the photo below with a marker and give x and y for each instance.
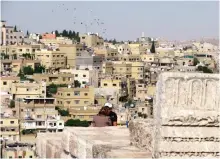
(185, 125)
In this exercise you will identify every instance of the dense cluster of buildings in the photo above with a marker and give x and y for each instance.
(42, 75)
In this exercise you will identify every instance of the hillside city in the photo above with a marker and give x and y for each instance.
(61, 79)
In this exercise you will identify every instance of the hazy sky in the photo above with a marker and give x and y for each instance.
(122, 20)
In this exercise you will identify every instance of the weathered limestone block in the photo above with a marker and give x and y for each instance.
(141, 134)
(94, 142)
(48, 145)
(187, 116)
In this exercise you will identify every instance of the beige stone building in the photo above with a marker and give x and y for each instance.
(7, 81)
(61, 78)
(74, 97)
(9, 128)
(70, 52)
(28, 89)
(10, 36)
(51, 59)
(57, 41)
(14, 66)
(91, 40)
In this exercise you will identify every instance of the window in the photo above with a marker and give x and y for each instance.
(76, 93)
(10, 156)
(76, 101)
(27, 89)
(43, 91)
(4, 83)
(12, 122)
(86, 102)
(30, 156)
(114, 85)
(60, 124)
(68, 102)
(20, 37)
(68, 94)
(86, 94)
(39, 116)
(15, 37)
(83, 37)
(76, 75)
(61, 55)
(58, 55)
(84, 75)
(105, 84)
(81, 116)
(27, 50)
(1, 122)
(21, 110)
(19, 156)
(11, 37)
(83, 82)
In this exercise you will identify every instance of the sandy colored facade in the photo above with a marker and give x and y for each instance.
(9, 128)
(61, 78)
(6, 82)
(16, 65)
(91, 40)
(28, 90)
(51, 59)
(75, 97)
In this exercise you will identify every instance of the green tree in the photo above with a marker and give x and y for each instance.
(152, 50)
(70, 34)
(52, 88)
(15, 28)
(28, 70)
(12, 104)
(39, 69)
(27, 33)
(63, 112)
(57, 33)
(77, 123)
(77, 83)
(204, 69)
(114, 42)
(65, 33)
(195, 61)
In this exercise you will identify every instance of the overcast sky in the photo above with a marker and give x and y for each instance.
(122, 20)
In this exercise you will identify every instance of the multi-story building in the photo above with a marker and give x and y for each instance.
(131, 58)
(16, 51)
(137, 49)
(39, 114)
(141, 91)
(85, 113)
(18, 150)
(71, 51)
(14, 66)
(87, 60)
(108, 53)
(149, 58)
(9, 35)
(74, 97)
(51, 59)
(28, 89)
(56, 41)
(91, 39)
(6, 82)
(85, 77)
(55, 78)
(9, 127)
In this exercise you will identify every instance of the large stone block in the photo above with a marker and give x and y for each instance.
(94, 142)
(186, 116)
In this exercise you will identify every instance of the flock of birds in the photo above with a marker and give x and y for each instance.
(97, 23)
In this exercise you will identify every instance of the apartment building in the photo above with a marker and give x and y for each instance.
(6, 82)
(71, 51)
(55, 78)
(87, 60)
(91, 40)
(5, 99)
(117, 83)
(124, 49)
(149, 58)
(131, 84)
(18, 50)
(85, 113)
(74, 97)
(9, 127)
(49, 36)
(137, 49)
(9, 35)
(14, 66)
(26, 89)
(51, 59)
(39, 114)
(141, 91)
(131, 58)
(108, 53)
(18, 150)
(58, 40)
(85, 77)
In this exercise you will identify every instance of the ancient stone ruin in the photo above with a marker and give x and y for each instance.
(185, 125)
